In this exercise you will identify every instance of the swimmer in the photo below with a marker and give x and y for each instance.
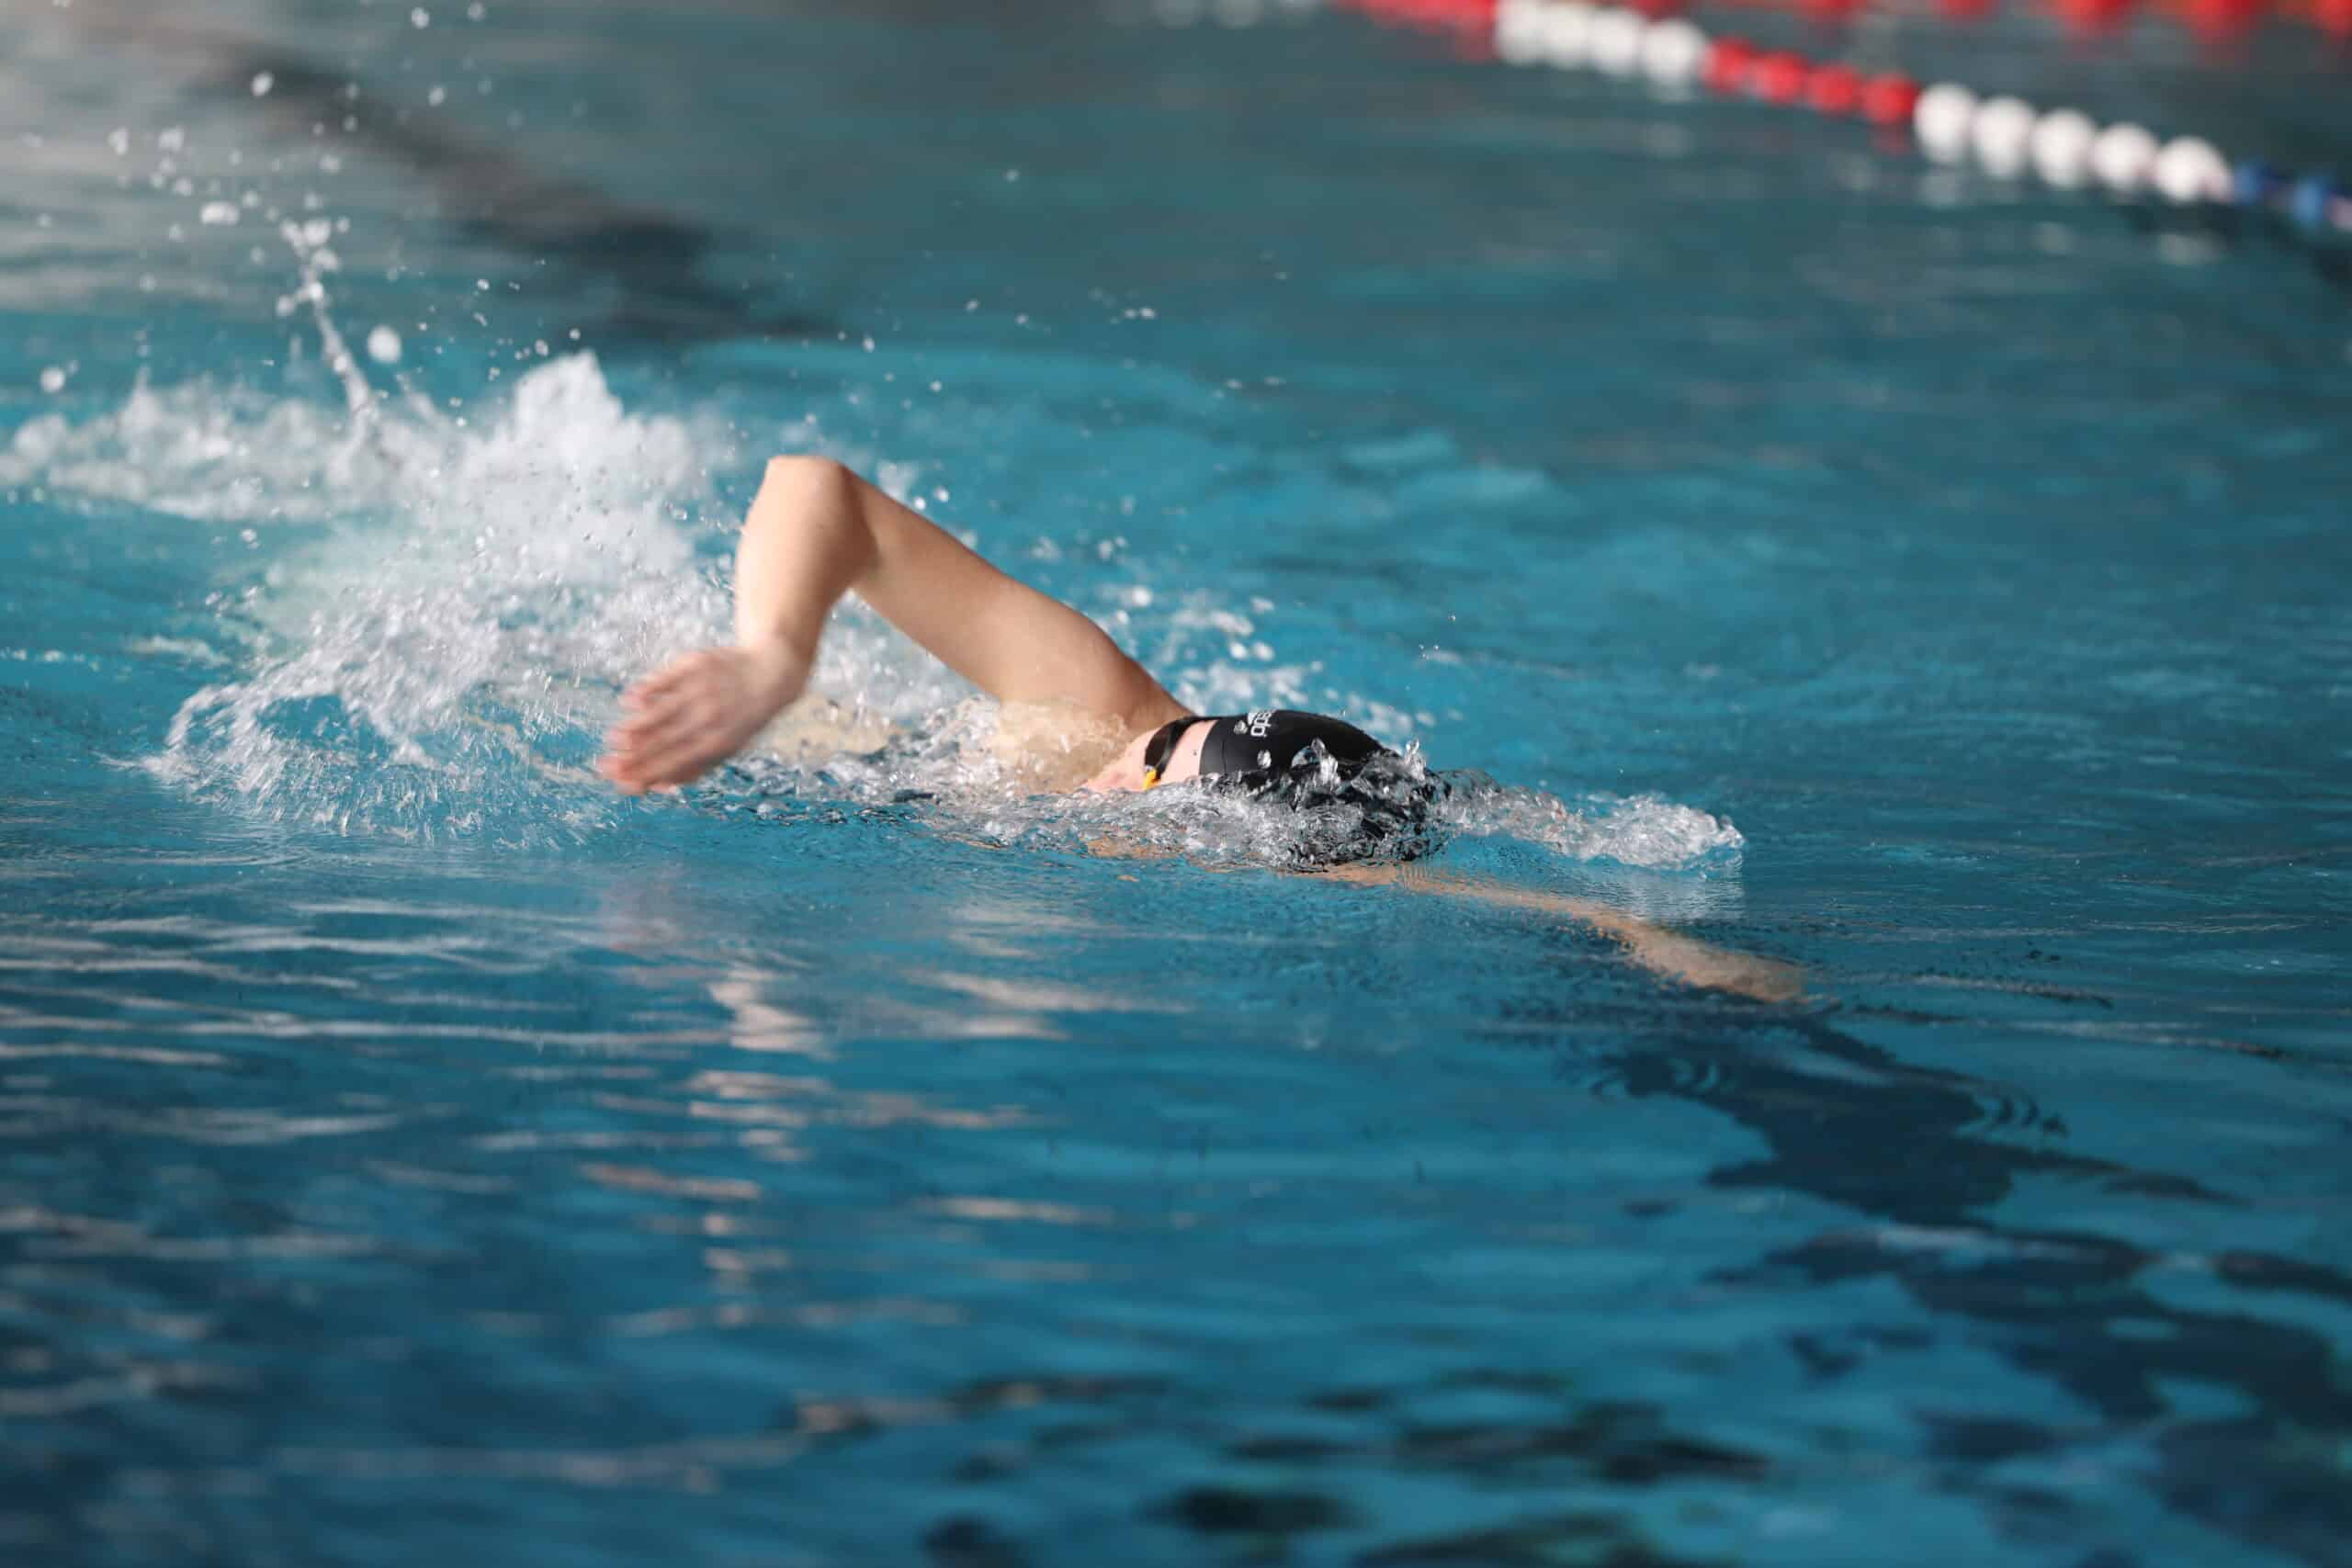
(817, 532)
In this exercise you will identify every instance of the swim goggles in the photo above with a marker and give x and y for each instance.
(1162, 747)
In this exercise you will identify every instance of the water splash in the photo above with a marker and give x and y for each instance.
(953, 772)
(438, 614)
(1643, 832)
(445, 673)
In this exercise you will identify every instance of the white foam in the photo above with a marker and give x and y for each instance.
(445, 609)
(1642, 830)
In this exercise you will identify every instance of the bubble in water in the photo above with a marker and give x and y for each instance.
(263, 81)
(420, 18)
(384, 346)
(52, 379)
(218, 214)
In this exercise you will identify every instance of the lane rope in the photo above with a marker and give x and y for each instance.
(2001, 134)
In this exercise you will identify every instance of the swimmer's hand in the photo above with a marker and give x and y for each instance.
(699, 711)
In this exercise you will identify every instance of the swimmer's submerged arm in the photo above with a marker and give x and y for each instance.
(1661, 952)
(816, 532)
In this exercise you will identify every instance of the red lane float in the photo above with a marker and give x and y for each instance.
(1835, 89)
(2224, 19)
(1779, 77)
(2093, 19)
(1890, 99)
(1727, 64)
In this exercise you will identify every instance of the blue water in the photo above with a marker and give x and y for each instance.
(410, 1151)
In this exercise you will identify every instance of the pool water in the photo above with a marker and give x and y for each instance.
(411, 1150)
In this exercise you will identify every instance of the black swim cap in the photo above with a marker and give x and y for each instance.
(1356, 799)
(1272, 740)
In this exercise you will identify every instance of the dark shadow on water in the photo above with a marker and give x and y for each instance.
(1905, 1148)
(1243, 1516)
(652, 257)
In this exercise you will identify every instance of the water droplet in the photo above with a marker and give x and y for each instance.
(384, 346)
(420, 18)
(52, 379)
(263, 82)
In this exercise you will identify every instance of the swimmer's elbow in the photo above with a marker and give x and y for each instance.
(813, 497)
(806, 478)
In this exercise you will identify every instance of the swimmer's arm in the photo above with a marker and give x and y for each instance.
(819, 531)
(1663, 952)
(816, 532)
